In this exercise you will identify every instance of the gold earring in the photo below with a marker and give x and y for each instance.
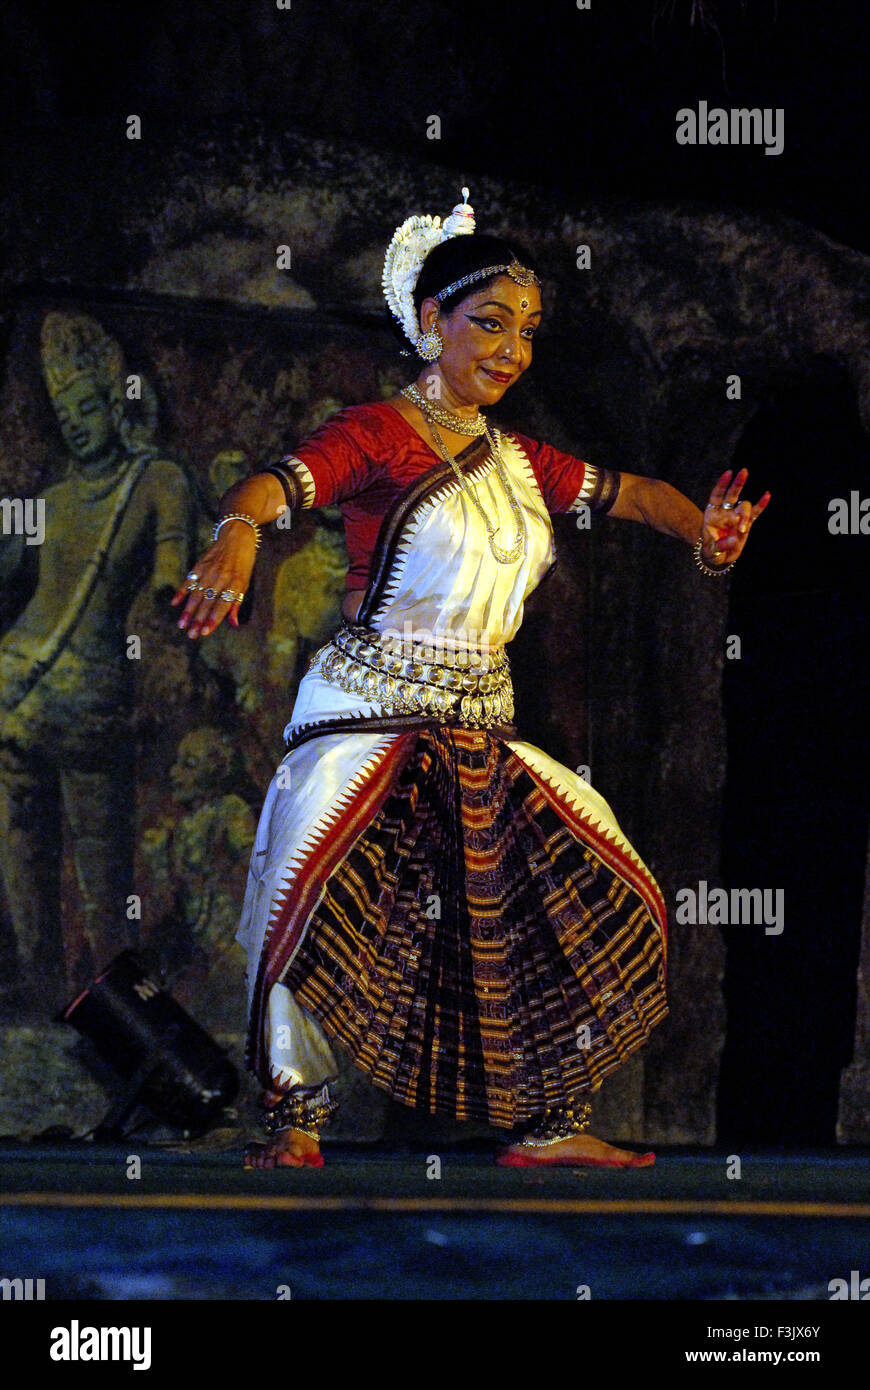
(430, 345)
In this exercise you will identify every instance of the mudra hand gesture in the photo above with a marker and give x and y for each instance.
(216, 585)
(727, 520)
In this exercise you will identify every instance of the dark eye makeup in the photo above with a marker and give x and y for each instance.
(528, 332)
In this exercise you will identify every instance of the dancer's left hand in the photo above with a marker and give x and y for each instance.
(727, 520)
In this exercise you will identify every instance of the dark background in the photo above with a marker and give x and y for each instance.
(583, 103)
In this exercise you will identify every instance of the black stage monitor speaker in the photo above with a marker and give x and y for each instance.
(170, 1064)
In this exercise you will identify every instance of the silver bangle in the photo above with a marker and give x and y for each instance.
(238, 516)
(702, 564)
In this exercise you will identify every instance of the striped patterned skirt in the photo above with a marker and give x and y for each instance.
(468, 945)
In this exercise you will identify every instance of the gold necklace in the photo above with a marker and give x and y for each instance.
(520, 545)
(457, 424)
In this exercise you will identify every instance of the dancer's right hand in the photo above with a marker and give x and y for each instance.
(225, 566)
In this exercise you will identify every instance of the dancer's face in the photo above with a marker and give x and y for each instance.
(487, 342)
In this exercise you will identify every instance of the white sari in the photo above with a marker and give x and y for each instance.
(433, 574)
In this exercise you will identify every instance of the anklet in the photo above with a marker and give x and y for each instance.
(306, 1109)
(558, 1124)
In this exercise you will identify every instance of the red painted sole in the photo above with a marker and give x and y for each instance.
(508, 1160)
(308, 1161)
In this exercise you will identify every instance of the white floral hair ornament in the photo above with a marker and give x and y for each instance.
(411, 244)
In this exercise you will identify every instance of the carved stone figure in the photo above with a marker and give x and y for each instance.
(119, 519)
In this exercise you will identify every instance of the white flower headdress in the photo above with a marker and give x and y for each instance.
(411, 244)
(407, 251)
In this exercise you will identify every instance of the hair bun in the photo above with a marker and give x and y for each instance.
(461, 220)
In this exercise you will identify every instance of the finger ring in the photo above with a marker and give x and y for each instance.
(229, 597)
(727, 506)
(194, 586)
(210, 593)
(193, 575)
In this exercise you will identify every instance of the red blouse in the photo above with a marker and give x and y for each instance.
(366, 455)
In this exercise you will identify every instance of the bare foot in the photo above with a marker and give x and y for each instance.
(287, 1149)
(581, 1150)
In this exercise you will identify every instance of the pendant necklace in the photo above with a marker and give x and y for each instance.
(432, 413)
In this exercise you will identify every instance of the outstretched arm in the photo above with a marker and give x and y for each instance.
(227, 565)
(724, 525)
(332, 465)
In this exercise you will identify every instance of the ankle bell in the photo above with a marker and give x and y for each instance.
(306, 1109)
(561, 1122)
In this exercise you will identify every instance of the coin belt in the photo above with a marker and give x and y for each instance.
(474, 688)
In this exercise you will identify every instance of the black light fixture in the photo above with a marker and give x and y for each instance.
(170, 1065)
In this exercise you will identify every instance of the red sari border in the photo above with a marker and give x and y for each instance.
(295, 903)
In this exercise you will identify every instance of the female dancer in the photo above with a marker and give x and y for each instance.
(458, 911)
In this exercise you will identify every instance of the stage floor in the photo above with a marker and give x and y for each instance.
(381, 1225)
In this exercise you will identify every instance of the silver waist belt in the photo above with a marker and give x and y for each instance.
(472, 686)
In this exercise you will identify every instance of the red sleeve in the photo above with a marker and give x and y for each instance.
(567, 482)
(334, 462)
